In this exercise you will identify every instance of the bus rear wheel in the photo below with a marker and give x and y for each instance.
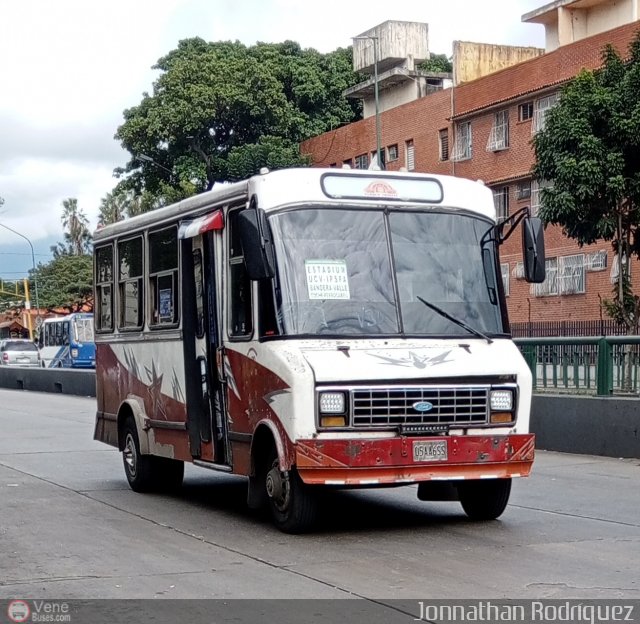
(484, 499)
(293, 506)
(147, 473)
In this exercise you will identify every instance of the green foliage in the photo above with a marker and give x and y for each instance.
(65, 282)
(590, 150)
(77, 237)
(437, 63)
(222, 110)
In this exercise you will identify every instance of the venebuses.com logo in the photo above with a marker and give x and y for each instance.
(21, 611)
(18, 611)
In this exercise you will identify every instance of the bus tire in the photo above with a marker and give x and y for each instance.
(293, 505)
(484, 499)
(137, 467)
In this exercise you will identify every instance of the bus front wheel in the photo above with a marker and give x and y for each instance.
(147, 473)
(293, 506)
(484, 499)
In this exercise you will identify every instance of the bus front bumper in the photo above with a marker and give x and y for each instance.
(413, 459)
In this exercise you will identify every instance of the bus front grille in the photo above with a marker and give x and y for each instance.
(383, 407)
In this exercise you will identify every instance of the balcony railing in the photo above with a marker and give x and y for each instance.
(598, 366)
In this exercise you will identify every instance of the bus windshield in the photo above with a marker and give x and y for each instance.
(364, 272)
(83, 329)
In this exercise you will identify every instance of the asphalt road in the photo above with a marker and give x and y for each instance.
(71, 527)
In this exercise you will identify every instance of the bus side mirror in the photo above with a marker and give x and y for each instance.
(257, 246)
(533, 250)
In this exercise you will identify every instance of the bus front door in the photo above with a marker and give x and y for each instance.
(205, 409)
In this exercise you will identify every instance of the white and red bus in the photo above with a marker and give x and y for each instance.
(317, 327)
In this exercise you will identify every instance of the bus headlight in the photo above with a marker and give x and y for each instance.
(332, 403)
(74, 353)
(502, 405)
(501, 400)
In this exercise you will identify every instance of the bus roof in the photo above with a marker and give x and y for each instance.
(314, 185)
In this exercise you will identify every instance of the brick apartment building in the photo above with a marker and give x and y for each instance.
(482, 129)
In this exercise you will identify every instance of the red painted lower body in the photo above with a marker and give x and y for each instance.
(390, 460)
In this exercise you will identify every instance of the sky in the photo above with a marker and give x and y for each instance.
(69, 68)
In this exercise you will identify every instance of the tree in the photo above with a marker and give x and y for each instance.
(113, 207)
(437, 63)
(77, 237)
(66, 282)
(590, 151)
(220, 111)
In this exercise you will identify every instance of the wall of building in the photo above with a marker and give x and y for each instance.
(474, 60)
(569, 22)
(391, 98)
(418, 121)
(396, 42)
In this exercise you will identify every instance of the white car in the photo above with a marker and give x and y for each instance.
(19, 352)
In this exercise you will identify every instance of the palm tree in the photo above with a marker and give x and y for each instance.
(77, 235)
(113, 207)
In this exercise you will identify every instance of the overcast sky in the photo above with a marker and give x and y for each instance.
(68, 68)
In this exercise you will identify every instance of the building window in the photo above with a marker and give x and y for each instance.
(444, 144)
(362, 161)
(501, 202)
(536, 195)
(347, 163)
(550, 284)
(499, 135)
(571, 279)
(410, 154)
(523, 190)
(333, 165)
(597, 261)
(615, 268)
(241, 315)
(392, 152)
(163, 276)
(540, 109)
(463, 149)
(382, 162)
(518, 271)
(104, 289)
(130, 287)
(504, 269)
(525, 111)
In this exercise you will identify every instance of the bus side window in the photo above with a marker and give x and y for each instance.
(104, 288)
(130, 283)
(241, 318)
(163, 276)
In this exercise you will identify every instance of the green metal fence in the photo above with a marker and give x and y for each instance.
(602, 366)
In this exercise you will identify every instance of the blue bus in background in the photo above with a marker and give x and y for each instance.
(68, 342)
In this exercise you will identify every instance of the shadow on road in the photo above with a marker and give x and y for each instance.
(340, 510)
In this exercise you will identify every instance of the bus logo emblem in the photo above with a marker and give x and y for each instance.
(422, 406)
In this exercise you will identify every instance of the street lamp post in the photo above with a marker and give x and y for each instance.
(376, 97)
(153, 162)
(33, 263)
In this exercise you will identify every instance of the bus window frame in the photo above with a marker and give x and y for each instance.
(97, 326)
(235, 260)
(141, 279)
(175, 273)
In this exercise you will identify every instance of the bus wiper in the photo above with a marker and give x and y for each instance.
(453, 319)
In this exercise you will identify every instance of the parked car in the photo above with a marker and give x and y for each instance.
(19, 352)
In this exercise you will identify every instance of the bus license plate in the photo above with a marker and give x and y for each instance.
(430, 450)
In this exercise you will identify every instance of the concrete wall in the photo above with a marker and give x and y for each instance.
(474, 60)
(57, 380)
(588, 425)
(397, 42)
